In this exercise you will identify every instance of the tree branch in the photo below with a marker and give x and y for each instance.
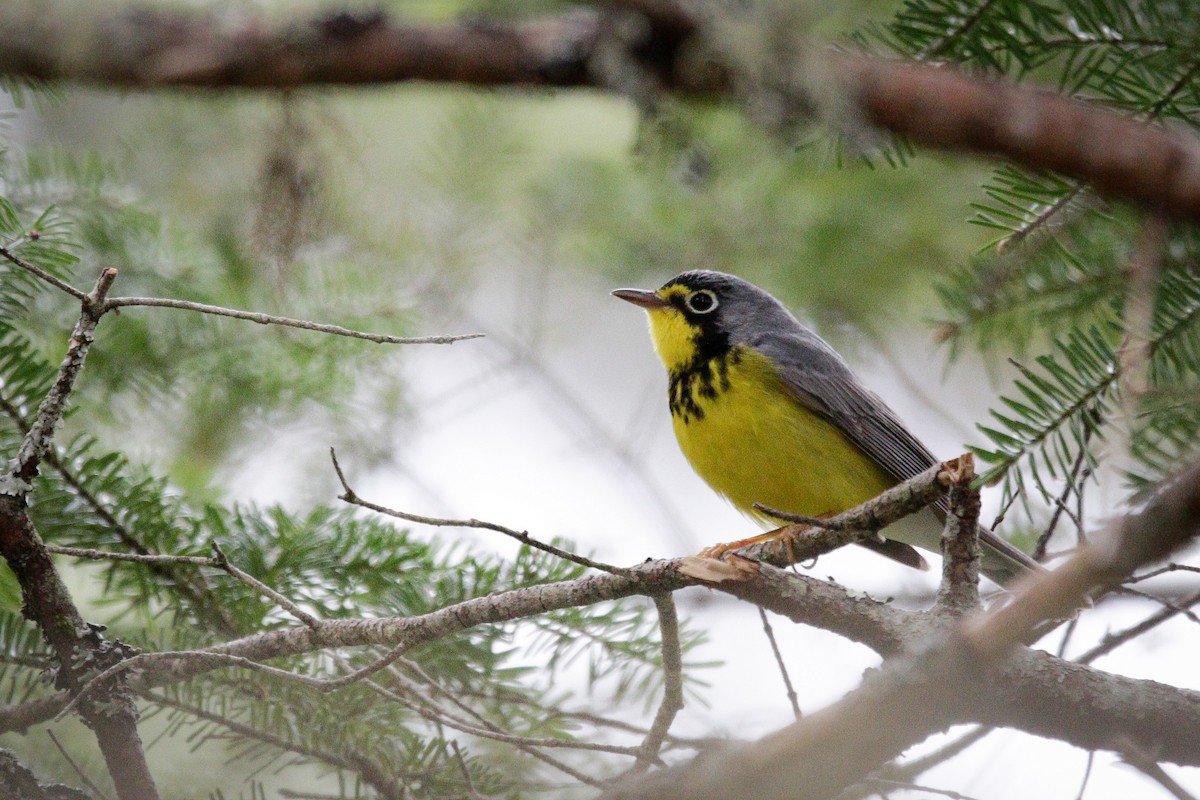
(37, 440)
(152, 46)
(943, 681)
(934, 106)
(78, 647)
(672, 702)
(288, 322)
(958, 592)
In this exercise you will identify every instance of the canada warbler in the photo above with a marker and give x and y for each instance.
(767, 412)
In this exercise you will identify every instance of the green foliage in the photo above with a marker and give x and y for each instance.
(1064, 404)
(708, 189)
(1058, 270)
(69, 215)
(335, 565)
(1059, 409)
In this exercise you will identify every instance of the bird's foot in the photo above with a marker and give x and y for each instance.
(786, 535)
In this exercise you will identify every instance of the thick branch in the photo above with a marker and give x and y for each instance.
(78, 647)
(934, 106)
(943, 109)
(157, 46)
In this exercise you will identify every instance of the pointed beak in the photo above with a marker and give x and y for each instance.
(640, 297)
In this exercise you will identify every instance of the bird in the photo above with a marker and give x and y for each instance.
(769, 414)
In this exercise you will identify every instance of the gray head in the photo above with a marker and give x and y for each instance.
(718, 312)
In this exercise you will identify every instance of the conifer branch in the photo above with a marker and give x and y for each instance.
(935, 107)
(926, 690)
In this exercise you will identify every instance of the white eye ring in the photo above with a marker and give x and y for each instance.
(701, 302)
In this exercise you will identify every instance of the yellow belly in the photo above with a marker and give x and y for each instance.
(755, 443)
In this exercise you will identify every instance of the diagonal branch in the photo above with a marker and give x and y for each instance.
(925, 691)
(78, 647)
(8, 255)
(36, 443)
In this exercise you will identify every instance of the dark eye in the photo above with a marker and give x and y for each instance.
(702, 301)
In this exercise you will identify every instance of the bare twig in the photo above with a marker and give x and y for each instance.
(1068, 632)
(271, 319)
(792, 697)
(140, 558)
(1153, 770)
(222, 562)
(1162, 571)
(672, 702)
(887, 785)
(41, 274)
(349, 496)
(1162, 601)
(1075, 483)
(472, 792)
(1087, 774)
(88, 782)
(1114, 640)
(919, 766)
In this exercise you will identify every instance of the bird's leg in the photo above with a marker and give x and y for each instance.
(786, 534)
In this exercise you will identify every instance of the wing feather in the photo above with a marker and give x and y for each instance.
(819, 379)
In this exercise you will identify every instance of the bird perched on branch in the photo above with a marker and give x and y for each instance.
(768, 413)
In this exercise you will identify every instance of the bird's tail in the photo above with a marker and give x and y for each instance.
(1002, 562)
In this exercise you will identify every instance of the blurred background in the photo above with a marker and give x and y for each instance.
(428, 210)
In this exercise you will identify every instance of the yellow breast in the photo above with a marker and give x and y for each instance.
(754, 443)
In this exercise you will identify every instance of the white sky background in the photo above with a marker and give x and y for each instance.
(577, 443)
